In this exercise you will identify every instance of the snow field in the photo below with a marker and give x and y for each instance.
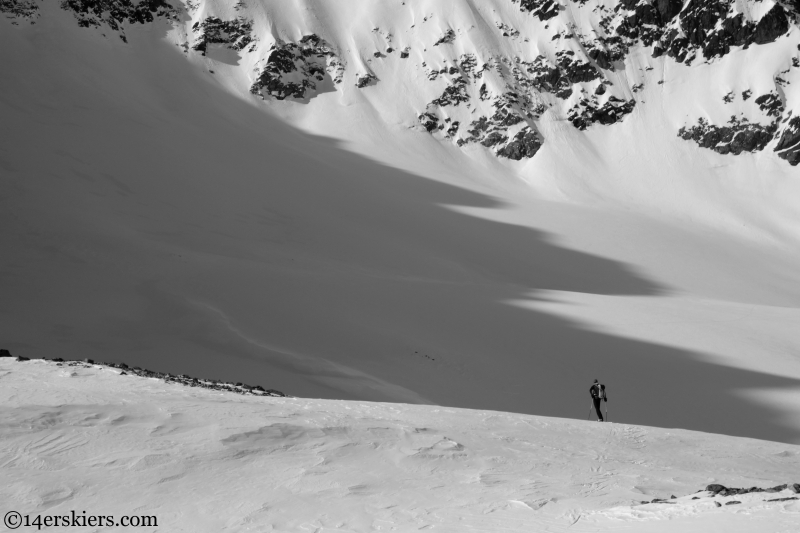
(83, 437)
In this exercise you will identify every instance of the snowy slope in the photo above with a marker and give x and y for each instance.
(155, 211)
(85, 438)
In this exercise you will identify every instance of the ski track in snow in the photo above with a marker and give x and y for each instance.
(84, 437)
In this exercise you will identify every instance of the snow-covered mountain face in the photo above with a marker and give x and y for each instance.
(489, 73)
(473, 203)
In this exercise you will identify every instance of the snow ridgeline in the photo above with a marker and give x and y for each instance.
(180, 379)
(83, 438)
(491, 80)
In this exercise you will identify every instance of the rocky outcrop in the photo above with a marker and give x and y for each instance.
(494, 98)
(708, 28)
(182, 379)
(116, 13)
(235, 34)
(365, 80)
(20, 9)
(558, 77)
(716, 490)
(741, 135)
(712, 27)
(541, 9)
(448, 37)
(187, 381)
(720, 490)
(738, 136)
(430, 122)
(297, 69)
(589, 111)
(788, 146)
(507, 30)
(524, 145)
(770, 104)
(455, 93)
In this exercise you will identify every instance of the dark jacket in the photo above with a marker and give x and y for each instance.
(598, 391)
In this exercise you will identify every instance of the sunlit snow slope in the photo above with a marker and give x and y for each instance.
(85, 438)
(169, 201)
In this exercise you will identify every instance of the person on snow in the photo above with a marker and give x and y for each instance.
(598, 392)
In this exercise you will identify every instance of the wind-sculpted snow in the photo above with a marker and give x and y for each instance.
(87, 437)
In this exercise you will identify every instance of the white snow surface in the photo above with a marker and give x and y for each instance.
(153, 211)
(80, 437)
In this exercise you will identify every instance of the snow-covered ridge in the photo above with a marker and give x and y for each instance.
(178, 379)
(86, 437)
(490, 73)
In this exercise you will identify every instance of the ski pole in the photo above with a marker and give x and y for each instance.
(607, 419)
(590, 411)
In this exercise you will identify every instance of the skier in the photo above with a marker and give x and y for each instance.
(598, 392)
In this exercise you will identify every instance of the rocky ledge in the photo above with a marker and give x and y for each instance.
(738, 136)
(716, 489)
(742, 135)
(182, 379)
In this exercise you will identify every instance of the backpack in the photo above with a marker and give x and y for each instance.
(599, 391)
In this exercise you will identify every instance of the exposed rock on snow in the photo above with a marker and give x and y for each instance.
(507, 30)
(579, 66)
(236, 34)
(365, 80)
(20, 9)
(770, 104)
(588, 111)
(714, 26)
(542, 9)
(121, 444)
(524, 145)
(182, 379)
(455, 93)
(448, 37)
(738, 136)
(116, 13)
(297, 69)
(721, 490)
(788, 146)
(742, 135)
